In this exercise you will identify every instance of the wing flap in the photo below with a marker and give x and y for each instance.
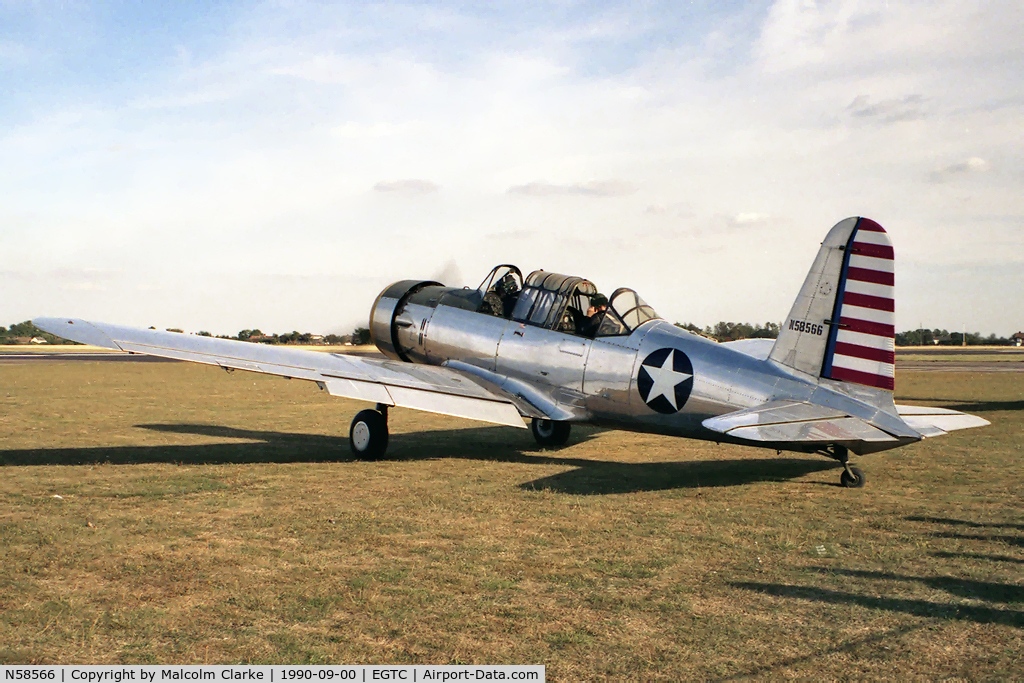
(359, 390)
(496, 411)
(434, 389)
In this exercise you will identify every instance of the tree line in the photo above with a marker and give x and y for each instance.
(360, 335)
(727, 331)
(25, 332)
(937, 337)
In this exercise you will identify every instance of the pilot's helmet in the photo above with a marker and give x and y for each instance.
(598, 300)
(507, 285)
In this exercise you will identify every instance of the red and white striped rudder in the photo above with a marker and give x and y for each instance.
(842, 325)
(861, 344)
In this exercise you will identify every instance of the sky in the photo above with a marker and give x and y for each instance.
(227, 166)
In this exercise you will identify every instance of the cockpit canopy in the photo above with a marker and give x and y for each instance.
(563, 302)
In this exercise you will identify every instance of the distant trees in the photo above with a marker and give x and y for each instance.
(293, 337)
(19, 333)
(361, 335)
(937, 337)
(728, 331)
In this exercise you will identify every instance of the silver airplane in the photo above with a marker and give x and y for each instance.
(550, 348)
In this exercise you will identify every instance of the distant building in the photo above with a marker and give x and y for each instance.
(39, 340)
(1018, 339)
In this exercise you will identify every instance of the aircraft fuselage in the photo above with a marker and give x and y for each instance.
(659, 378)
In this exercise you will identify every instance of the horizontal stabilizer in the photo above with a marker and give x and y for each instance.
(795, 422)
(755, 348)
(937, 421)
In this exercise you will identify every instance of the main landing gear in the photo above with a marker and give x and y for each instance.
(550, 432)
(368, 435)
(852, 477)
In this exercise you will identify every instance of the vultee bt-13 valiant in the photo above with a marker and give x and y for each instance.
(550, 348)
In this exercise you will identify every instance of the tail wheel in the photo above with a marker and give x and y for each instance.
(852, 478)
(550, 432)
(368, 435)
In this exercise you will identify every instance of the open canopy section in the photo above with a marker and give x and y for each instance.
(571, 304)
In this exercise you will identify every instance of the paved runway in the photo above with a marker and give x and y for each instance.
(58, 356)
(959, 366)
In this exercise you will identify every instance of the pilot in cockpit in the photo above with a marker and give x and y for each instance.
(502, 298)
(595, 314)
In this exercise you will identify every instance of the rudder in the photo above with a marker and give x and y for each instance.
(842, 324)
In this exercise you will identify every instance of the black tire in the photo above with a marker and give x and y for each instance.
(368, 435)
(550, 432)
(854, 482)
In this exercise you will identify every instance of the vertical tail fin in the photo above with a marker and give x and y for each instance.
(842, 324)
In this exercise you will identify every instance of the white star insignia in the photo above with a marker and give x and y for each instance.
(665, 380)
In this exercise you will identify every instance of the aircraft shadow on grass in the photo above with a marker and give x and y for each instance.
(981, 614)
(1001, 594)
(999, 538)
(979, 556)
(989, 591)
(589, 477)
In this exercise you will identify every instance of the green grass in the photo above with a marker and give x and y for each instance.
(207, 517)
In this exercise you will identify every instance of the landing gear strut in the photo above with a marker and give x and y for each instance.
(368, 435)
(852, 477)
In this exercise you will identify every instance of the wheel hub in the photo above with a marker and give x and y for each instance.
(361, 436)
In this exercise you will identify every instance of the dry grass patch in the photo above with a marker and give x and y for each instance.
(213, 517)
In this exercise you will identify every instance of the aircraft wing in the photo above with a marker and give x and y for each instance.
(422, 387)
(796, 422)
(938, 421)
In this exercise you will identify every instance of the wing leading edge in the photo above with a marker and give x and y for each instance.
(429, 388)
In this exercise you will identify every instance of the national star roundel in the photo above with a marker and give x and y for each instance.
(665, 380)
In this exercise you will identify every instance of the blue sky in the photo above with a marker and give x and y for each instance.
(274, 165)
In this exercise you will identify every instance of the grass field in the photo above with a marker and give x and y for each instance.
(157, 513)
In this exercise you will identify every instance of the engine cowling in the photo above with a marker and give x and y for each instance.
(386, 317)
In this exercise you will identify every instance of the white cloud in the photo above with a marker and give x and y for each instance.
(597, 188)
(748, 218)
(411, 186)
(972, 165)
(892, 110)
